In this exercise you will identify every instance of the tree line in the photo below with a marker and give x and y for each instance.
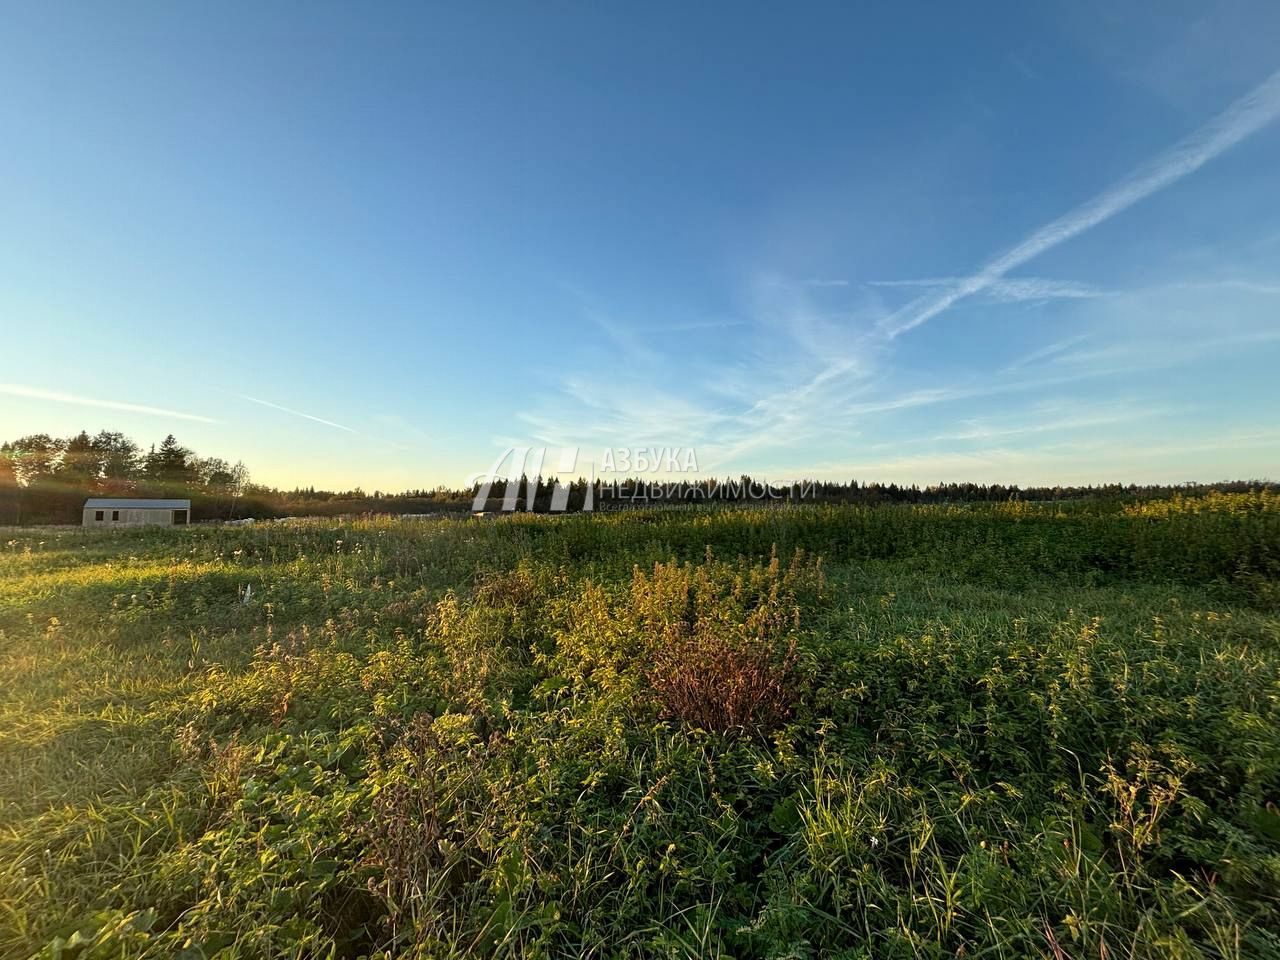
(46, 479)
(539, 494)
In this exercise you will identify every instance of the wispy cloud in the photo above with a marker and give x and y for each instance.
(1132, 355)
(1093, 458)
(296, 413)
(632, 344)
(1238, 284)
(1246, 116)
(816, 367)
(1008, 290)
(54, 396)
(983, 429)
(1047, 351)
(680, 326)
(792, 396)
(1023, 66)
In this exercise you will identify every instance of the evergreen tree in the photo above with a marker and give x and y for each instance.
(79, 465)
(171, 463)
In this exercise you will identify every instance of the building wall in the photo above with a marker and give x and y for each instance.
(130, 518)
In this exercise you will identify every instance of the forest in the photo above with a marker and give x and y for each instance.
(45, 480)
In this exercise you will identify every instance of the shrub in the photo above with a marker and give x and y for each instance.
(722, 639)
(724, 683)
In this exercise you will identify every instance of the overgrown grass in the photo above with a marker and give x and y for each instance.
(1009, 731)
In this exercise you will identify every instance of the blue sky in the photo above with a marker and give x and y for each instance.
(377, 245)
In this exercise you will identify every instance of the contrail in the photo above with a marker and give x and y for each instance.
(1012, 291)
(1246, 116)
(36, 393)
(296, 413)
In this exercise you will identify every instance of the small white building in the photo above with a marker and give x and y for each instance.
(135, 512)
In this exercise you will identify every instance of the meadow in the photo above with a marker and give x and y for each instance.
(1011, 730)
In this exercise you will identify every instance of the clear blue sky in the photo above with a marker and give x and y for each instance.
(925, 242)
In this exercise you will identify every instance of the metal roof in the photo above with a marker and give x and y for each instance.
(137, 503)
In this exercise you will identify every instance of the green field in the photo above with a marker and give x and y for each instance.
(986, 731)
